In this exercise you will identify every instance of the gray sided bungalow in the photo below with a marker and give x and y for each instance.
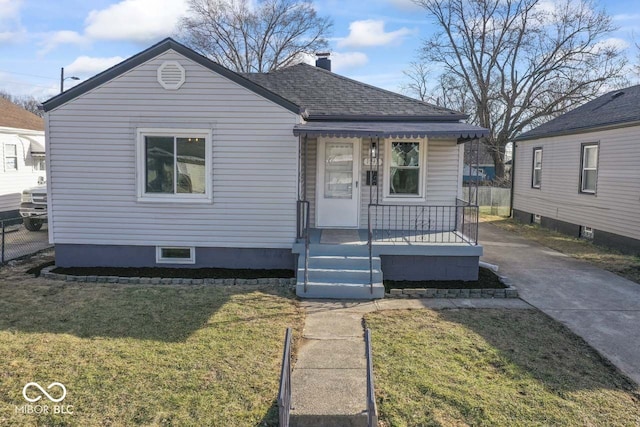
(169, 159)
(580, 173)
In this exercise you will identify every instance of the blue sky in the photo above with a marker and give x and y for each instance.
(372, 40)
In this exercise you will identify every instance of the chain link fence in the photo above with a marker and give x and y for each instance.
(491, 200)
(16, 241)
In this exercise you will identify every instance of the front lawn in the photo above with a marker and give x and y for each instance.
(492, 368)
(627, 266)
(143, 354)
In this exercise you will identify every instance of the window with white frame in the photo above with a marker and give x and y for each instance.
(10, 157)
(175, 255)
(405, 169)
(39, 163)
(536, 175)
(589, 168)
(174, 165)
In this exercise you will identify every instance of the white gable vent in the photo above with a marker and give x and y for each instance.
(171, 75)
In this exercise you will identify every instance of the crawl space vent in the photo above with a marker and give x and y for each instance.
(171, 75)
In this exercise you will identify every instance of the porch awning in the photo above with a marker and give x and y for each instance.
(35, 146)
(457, 130)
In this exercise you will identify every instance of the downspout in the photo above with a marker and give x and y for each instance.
(513, 178)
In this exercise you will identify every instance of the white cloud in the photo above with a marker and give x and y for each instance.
(52, 40)
(10, 10)
(135, 20)
(347, 60)
(611, 43)
(87, 65)
(371, 33)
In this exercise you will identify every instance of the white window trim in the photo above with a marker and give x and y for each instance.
(422, 193)
(5, 157)
(583, 168)
(533, 174)
(161, 260)
(141, 165)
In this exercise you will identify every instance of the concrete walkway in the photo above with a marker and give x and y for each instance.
(599, 306)
(329, 377)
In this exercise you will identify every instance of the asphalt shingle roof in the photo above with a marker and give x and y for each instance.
(616, 107)
(329, 96)
(13, 116)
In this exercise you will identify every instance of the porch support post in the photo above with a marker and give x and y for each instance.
(304, 170)
(477, 166)
(378, 170)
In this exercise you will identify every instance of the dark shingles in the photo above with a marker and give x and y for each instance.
(616, 107)
(326, 95)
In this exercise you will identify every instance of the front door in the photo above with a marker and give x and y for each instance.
(338, 192)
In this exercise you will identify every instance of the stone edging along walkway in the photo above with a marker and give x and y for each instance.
(509, 292)
(47, 274)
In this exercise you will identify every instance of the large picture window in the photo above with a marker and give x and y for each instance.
(536, 175)
(405, 169)
(589, 168)
(174, 164)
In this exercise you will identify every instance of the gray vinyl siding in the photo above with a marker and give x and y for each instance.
(443, 178)
(615, 206)
(93, 163)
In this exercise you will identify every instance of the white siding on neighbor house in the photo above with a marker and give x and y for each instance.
(443, 179)
(92, 146)
(616, 205)
(12, 182)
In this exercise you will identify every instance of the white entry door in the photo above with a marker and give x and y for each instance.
(338, 189)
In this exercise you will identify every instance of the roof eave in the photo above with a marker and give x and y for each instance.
(386, 118)
(152, 52)
(584, 129)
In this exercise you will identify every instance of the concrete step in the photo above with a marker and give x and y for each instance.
(344, 261)
(341, 275)
(340, 290)
(335, 250)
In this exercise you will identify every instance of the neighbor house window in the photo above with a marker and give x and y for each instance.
(175, 255)
(10, 157)
(39, 164)
(536, 176)
(405, 169)
(174, 165)
(589, 168)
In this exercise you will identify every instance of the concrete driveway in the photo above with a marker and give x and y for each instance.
(599, 306)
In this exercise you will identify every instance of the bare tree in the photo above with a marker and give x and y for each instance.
(513, 64)
(29, 103)
(255, 36)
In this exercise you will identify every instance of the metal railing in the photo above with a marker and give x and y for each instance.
(424, 223)
(284, 392)
(372, 410)
(302, 227)
(16, 241)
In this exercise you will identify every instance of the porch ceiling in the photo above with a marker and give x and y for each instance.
(388, 129)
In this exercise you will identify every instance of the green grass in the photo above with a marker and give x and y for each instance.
(627, 266)
(492, 368)
(143, 355)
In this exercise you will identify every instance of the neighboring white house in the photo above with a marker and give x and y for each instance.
(22, 150)
(580, 173)
(169, 159)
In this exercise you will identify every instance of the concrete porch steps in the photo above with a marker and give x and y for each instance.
(341, 272)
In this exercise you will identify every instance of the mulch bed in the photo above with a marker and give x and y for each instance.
(487, 279)
(184, 273)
